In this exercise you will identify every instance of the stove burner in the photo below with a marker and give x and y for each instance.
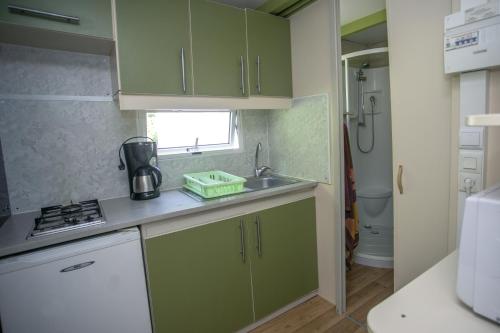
(55, 219)
(71, 209)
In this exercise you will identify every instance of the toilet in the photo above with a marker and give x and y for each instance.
(374, 199)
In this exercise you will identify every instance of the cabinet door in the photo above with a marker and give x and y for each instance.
(94, 15)
(219, 49)
(199, 281)
(269, 54)
(152, 35)
(285, 268)
(420, 108)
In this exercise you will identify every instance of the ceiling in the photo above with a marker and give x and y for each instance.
(243, 3)
(373, 35)
(352, 10)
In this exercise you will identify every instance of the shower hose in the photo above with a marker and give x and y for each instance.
(372, 144)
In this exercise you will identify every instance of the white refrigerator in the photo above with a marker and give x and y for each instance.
(91, 285)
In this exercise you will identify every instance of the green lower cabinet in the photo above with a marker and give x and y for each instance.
(226, 275)
(285, 268)
(94, 15)
(198, 281)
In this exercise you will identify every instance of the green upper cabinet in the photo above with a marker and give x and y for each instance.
(284, 255)
(219, 49)
(269, 54)
(154, 52)
(199, 280)
(89, 17)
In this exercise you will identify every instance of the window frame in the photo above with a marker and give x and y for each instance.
(234, 145)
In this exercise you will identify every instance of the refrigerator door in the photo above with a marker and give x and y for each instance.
(93, 285)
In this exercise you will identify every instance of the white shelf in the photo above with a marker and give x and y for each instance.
(483, 120)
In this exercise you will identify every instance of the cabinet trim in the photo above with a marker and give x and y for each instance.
(165, 102)
(164, 227)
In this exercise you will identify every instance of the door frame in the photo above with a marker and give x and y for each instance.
(338, 173)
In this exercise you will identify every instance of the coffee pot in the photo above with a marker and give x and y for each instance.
(144, 178)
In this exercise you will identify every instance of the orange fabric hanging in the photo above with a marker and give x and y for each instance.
(351, 210)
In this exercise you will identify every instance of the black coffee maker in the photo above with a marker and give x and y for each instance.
(144, 179)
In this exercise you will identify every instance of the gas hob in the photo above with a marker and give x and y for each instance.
(57, 219)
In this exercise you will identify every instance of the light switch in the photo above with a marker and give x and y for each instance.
(469, 163)
(470, 139)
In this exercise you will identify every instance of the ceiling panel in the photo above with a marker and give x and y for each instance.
(243, 3)
(369, 36)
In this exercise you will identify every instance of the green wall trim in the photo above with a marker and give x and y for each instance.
(275, 6)
(364, 23)
(283, 8)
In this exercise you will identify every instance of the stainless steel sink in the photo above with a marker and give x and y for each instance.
(252, 184)
(260, 183)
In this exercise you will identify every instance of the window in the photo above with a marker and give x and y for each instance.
(178, 132)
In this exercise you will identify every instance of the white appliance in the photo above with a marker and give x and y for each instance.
(472, 38)
(478, 280)
(91, 285)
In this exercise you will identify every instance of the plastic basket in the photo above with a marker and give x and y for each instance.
(212, 184)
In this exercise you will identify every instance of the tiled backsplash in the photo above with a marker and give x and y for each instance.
(56, 151)
(60, 146)
(299, 139)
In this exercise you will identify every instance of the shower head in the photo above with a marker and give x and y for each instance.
(361, 75)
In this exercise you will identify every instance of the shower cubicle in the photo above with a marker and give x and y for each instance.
(368, 118)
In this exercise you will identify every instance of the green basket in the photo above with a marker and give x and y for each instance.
(214, 183)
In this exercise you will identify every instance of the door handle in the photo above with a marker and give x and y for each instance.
(242, 64)
(259, 236)
(43, 14)
(400, 179)
(258, 75)
(183, 68)
(77, 266)
(242, 241)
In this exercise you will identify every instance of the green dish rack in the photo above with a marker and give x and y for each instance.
(215, 183)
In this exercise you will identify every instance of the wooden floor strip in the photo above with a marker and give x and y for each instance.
(344, 326)
(297, 317)
(366, 287)
(321, 324)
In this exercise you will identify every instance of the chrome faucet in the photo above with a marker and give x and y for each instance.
(259, 171)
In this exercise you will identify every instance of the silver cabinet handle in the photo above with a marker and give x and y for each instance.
(242, 64)
(259, 237)
(258, 75)
(77, 266)
(183, 67)
(43, 14)
(242, 241)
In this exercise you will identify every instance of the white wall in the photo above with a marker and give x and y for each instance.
(493, 153)
(352, 10)
(492, 158)
(312, 54)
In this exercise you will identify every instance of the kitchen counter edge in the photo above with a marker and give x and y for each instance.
(121, 213)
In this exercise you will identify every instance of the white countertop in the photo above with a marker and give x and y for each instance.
(122, 213)
(429, 304)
